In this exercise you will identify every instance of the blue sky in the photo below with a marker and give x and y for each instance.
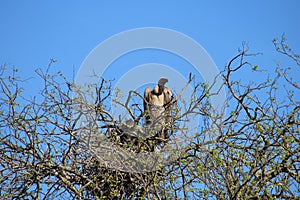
(32, 32)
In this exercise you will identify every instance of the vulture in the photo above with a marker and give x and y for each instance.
(157, 108)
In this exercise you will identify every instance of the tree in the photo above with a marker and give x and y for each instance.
(44, 154)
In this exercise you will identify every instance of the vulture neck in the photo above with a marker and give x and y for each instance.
(158, 90)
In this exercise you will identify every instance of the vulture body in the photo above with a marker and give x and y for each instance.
(157, 107)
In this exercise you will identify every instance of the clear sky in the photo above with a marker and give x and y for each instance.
(34, 31)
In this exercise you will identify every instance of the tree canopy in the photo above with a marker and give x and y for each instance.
(46, 152)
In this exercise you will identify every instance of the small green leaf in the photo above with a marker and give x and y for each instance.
(255, 67)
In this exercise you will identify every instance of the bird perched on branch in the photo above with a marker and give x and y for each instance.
(157, 102)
